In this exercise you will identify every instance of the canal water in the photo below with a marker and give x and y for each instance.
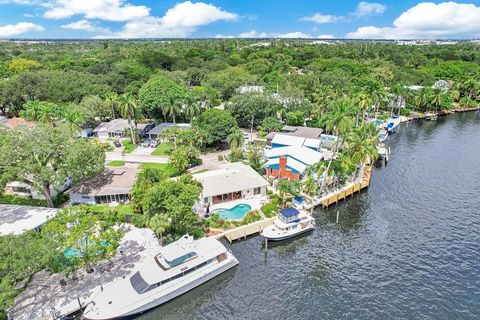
(406, 248)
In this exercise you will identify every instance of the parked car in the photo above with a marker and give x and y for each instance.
(117, 144)
(146, 143)
(153, 144)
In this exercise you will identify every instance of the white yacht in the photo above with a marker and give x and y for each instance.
(289, 223)
(392, 124)
(178, 268)
(382, 135)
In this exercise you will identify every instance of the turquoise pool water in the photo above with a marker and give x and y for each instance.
(235, 213)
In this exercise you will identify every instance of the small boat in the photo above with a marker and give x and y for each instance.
(178, 268)
(431, 116)
(392, 124)
(289, 223)
(382, 135)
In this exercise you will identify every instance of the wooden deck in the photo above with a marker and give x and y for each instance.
(343, 193)
(244, 231)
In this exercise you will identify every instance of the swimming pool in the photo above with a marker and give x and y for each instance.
(235, 213)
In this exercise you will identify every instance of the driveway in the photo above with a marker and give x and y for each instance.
(210, 161)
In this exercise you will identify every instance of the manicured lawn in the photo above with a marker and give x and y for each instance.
(167, 168)
(10, 199)
(121, 208)
(163, 150)
(116, 163)
(200, 171)
(128, 146)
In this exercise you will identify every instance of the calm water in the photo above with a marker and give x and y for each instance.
(408, 248)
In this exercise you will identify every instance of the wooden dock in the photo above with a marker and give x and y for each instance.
(244, 231)
(343, 193)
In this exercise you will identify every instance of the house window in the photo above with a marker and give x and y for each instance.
(205, 200)
(257, 190)
(86, 197)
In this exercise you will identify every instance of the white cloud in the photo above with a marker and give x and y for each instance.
(223, 36)
(326, 36)
(112, 10)
(85, 25)
(428, 20)
(28, 15)
(293, 35)
(178, 22)
(253, 34)
(321, 18)
(10, 30)
(365, 9)
(188, 14)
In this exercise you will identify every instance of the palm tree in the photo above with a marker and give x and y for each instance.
(111, 101)
(235, 139)
(129, 109)
(362, 144)
(254, 159)
(159, 223)
(192, 109)
(436, 98)
(420, 99)
(286, 187)
(364, 102)
(74, 118)
(337, 120)
(310, 186)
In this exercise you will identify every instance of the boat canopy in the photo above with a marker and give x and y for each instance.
(289, 212)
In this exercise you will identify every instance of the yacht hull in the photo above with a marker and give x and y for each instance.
(288, 236)
(156, 302)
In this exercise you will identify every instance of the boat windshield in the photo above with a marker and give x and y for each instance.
(179, 260)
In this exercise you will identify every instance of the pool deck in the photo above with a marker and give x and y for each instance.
(254, 202)
(45, 296)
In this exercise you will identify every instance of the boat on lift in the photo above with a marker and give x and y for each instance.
(382, 135)
(289, 223)
(392, 124)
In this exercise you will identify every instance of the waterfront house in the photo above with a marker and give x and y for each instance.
(113, 185)
(290, 162)
(19, 219)
(231, 182)
(156, 131)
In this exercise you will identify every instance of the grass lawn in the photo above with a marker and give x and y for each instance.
(167, 168)
(128, 146)
(121, 208)
(116, 163)
(11, 199)
(163, 150)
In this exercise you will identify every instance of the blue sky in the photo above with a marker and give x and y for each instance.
(390, 19)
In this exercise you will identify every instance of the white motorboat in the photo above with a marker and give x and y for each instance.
(178, 268)
(289, 223)
(392, 124)
(382, 135)
(431, 116)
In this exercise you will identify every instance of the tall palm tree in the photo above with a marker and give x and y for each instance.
(338, 120)
(192, 109)
(364, 102)
(310, 186)
(235, 139)
(254, 158)
(111, 101)
(420, 99)
(129, 109)
(362, 144)
(436, 98)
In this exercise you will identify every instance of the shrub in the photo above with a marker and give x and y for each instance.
(270, 210)
(405, 112)
(250, 217)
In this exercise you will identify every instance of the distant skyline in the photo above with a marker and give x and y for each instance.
(99, 19)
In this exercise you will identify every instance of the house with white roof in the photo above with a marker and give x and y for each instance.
(231, 182)
(19, 219)
(290, 162)
(116, 129)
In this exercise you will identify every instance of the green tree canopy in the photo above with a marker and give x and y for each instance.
(217, 125)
